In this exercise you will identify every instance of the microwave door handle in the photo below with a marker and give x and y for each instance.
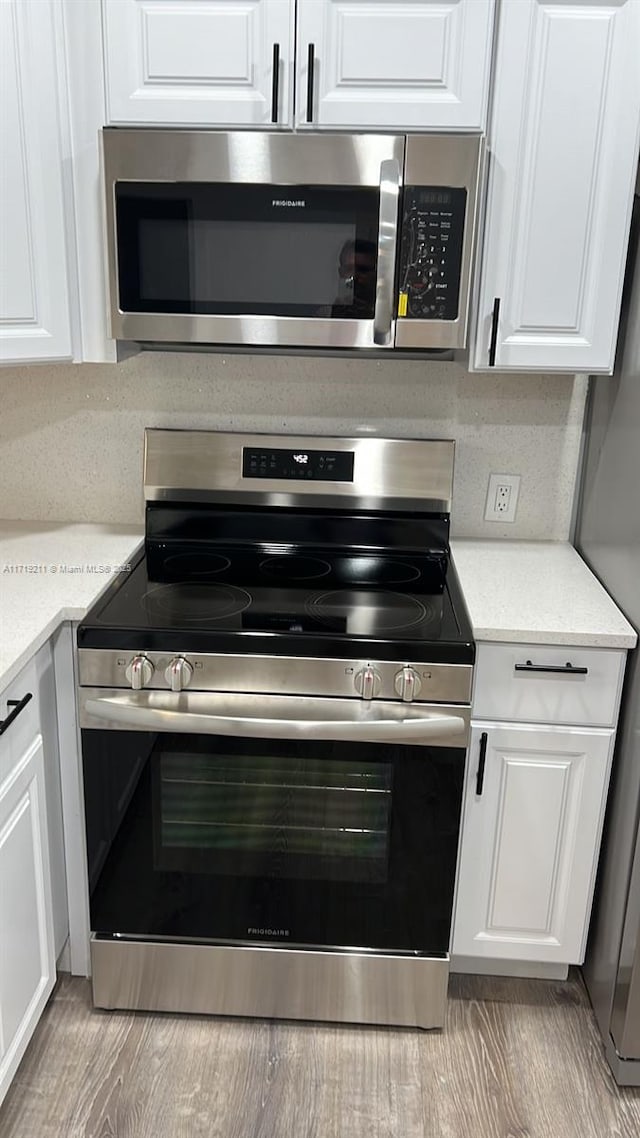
(123, 712)
(387, 245)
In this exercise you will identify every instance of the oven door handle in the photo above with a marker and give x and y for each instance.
(125, 713)
(387, 244)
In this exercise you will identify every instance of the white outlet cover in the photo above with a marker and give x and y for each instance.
(502, 486)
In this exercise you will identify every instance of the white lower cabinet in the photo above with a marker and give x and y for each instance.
(33, 920)
(533, 810)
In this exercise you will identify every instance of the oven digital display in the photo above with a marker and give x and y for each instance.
(304, 465)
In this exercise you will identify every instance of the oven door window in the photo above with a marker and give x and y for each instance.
(218, 249)
(272, 816)
(233, 840)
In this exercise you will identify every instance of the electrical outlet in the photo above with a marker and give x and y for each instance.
(502, 498)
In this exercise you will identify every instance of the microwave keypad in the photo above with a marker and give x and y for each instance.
(431, 252)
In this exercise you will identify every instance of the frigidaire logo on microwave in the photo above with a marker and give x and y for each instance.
(297, 203)
(269, 932)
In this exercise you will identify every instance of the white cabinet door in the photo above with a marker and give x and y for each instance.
(34, 292)
(199, 62)
(563, 146)
(414, 65)
(27, 955)
(531, 834)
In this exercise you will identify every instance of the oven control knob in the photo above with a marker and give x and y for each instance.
(139, 672)
(368, 682)
(178, 674)
(407, 684)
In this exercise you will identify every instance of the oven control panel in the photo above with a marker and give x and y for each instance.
(307, 465)
(279, 675)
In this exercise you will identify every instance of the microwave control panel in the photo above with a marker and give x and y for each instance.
(431, 252)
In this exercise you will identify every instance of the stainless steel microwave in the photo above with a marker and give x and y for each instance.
(282, 241)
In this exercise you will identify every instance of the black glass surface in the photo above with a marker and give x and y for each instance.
(211, 838)
(208, 604)
(220, 249)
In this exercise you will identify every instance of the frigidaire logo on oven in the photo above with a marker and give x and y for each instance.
(269, 932)
(289, 202)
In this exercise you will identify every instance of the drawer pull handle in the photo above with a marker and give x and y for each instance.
(562, 669)
(481, 761)
(17, 705)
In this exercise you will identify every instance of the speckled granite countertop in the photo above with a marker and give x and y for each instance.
(51, 572)
(530, 592)
(537, 592)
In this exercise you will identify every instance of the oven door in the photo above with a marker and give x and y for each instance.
(272, 820)
(245, 239)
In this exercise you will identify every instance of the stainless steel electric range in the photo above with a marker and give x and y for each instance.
(274, 706)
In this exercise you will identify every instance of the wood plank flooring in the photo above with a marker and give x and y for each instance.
(518, 1059)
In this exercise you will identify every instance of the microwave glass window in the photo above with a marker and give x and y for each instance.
(231, 250)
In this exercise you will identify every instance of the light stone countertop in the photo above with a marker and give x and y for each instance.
(51, 572)
(528, 592)
(537, 592)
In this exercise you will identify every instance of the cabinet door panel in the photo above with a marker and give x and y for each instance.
(206, 62)
(34, 296)
(416, 65)
(563, 148)
(530, 843)
(27, 956)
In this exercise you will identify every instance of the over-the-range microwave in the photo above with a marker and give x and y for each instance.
(265, 240)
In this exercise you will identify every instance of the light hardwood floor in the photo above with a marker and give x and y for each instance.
(518, 1059)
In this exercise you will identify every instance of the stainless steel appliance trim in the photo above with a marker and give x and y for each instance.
(274, 717)
(387, 248)
(450, 160)
(190, 464)
(625, 1010)
(255, 157)
(270, 331)
(284, 983)
(280, 675)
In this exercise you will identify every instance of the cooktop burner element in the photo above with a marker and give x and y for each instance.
(367, 614)
(293, 567)
(194, 603)
(190, 566)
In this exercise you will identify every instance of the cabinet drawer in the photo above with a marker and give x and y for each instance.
(508, 686)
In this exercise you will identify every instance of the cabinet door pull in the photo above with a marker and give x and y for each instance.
(481, 761)
(274, 82)
(493, 343)
(17, 705)
(567, 669)
(310, 64)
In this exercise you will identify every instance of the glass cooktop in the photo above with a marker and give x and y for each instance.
(298, 604)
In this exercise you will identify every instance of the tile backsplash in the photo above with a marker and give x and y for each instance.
(71, 436)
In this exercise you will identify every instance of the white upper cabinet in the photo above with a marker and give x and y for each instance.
(34, 292)
(415, 65)
(375, 64)
(563, 149)
(199, 62)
